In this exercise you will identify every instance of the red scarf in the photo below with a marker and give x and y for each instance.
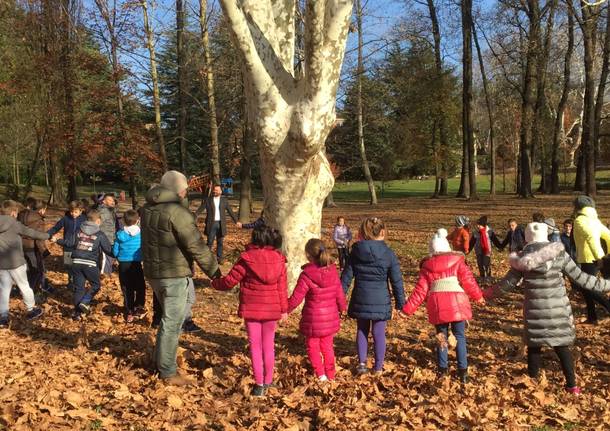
(485, 246)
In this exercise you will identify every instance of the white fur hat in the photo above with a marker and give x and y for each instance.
(537, 232)
(439, 243)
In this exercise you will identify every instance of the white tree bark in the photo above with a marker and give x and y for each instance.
(291, 116)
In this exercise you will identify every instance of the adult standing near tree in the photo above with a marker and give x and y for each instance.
(170, 243)
(589, 232)
(109, 226)
(216, 208)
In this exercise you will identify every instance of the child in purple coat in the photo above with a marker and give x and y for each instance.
(342, 236)
(320, 286)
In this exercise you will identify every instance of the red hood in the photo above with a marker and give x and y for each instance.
(444, 262)
(266, 263)
(321, 275)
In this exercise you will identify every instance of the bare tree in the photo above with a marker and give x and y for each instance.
(558, 127)
(209, 90)
(291, 116)
(359, 72)
(181, 59)
(467, 124)
(440, 188)
(150, 44)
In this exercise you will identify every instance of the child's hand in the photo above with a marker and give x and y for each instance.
(283, 317)
(403, 315)
(342, 315)
(239, 225)
(480, 301)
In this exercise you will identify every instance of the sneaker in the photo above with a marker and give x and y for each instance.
(258, 391)
(323, 378)
(362, 369)
(378, 371)
(35, 313)
(4, 322)
(189, 327)
(85, 308)
(269, 386)
(574, 390)
(47, 288)
(463, 375)
(76, 316)
(178, 380)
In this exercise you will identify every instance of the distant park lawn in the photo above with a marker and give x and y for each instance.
(358, 190)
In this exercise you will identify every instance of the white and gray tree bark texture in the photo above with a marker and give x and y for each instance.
(291, 116)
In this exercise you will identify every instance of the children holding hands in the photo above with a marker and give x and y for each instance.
(263, 300)
(446, 284)
(320, 287)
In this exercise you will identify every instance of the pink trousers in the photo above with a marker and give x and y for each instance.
(261, 336)
(321, 353)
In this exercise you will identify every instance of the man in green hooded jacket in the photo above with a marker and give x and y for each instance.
(171, 242)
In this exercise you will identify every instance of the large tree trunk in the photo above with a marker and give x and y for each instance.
(291, 117)
(558, 128)
(360, 71)
(180, 55)
(150, 44)
(441, 187)
(490, 117)
(209, 78)
(467, 124)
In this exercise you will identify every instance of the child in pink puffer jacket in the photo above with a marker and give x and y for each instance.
(320, 286)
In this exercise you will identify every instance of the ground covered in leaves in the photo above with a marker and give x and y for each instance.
(56, 374)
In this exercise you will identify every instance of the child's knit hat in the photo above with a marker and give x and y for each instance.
(461, 221)
(438, 243)
(537, 232)
(174, 181)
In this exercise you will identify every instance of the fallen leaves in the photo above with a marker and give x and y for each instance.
(58, 374)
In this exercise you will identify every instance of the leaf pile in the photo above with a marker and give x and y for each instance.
(57, 374)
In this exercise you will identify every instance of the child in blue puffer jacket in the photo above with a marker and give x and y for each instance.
(127, 249)
(372, 264)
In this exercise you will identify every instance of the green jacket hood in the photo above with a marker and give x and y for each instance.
(160, 195)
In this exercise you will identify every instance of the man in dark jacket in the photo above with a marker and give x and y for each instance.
(216, 208)
(515, 237)
(170, 243)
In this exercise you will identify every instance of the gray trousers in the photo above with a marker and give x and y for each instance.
(172, 295)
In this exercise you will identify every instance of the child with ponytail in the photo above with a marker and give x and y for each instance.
(372, 263)
(320, 287)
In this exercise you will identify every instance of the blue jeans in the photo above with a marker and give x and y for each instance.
(216, 234)
(82, 274)
(459, 331)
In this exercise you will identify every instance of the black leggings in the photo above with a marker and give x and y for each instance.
(534, 360)
(592, 297)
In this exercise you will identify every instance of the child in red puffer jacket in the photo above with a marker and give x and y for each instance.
(320, 286)
(263, 300)
(446, 283)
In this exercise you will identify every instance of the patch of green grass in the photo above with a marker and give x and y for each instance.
(95, 425)
(358, 190)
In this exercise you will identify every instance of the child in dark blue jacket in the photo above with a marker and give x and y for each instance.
(86, 246)
(127, 249)
(372, 263)
(70, 223)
